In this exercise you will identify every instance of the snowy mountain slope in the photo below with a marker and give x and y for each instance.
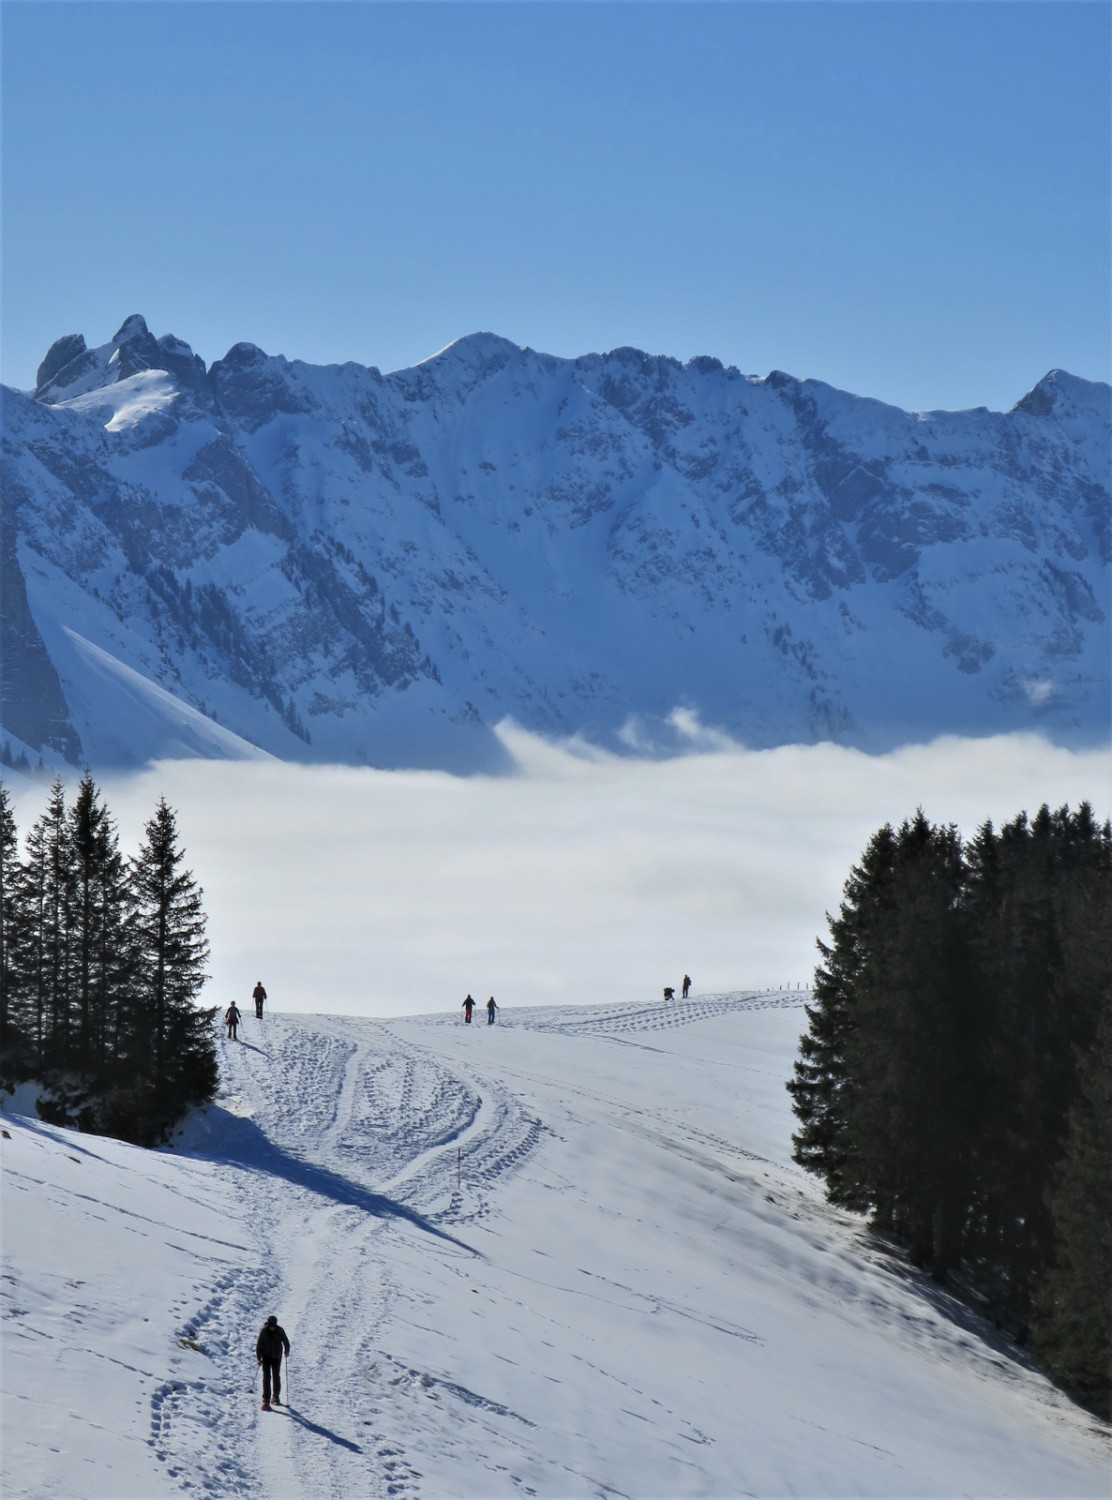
(565, 1255)
(340, 565)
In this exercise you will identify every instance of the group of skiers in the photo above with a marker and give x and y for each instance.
(233, 1015)
(469, 1006)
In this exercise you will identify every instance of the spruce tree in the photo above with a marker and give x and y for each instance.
(910, 1058)
(42, 954)
(1037, 899)
(825, 1087)
(169, 1042)
(11, 1039)
(102, 936)
(1073, 1307)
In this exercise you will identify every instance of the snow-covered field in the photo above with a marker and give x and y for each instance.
(567, 1255)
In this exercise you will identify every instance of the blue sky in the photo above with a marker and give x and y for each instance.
(910, 201)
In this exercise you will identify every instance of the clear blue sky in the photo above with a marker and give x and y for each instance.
(908, 200)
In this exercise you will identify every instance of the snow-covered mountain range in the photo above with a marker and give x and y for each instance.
(331, 564)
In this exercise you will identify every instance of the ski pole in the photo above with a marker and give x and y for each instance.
(287, 1380)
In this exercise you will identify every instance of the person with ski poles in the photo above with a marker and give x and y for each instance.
(258, 994)
(232, 1020)
(491, 1008)
(468, 1007)
(269, 1347)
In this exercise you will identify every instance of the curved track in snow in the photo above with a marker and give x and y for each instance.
(567, 1256)
(340, 1134)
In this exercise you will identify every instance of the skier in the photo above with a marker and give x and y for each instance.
(269, 1345)
(468, 1007)
(669, 992)
(686, 985)
(232, 1019)
(258, 994)
(491, 1008)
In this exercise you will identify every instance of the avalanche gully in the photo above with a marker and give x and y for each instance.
(564, 1255)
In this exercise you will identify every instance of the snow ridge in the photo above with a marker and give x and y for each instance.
(337, 565)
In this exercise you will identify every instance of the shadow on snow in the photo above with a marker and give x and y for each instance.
(224, 1137)
(333, 1437)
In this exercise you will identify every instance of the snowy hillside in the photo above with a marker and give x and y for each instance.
(329, 564)
(563, 1256)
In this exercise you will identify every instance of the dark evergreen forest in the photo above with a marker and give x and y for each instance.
(101, 964)
(955, 1081)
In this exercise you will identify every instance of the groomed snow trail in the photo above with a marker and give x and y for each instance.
(568, 1255)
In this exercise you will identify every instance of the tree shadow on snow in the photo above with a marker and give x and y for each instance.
(958, 1301)
(228, 1138)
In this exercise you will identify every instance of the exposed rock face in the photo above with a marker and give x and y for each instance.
(339, 565)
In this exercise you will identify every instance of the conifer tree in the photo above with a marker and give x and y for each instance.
(1073, 1307)
(824, 1088)
(102, 936)
(170, 1040)
(10, 1036)
(1037, 898)
(42, 955)
(909, 1058)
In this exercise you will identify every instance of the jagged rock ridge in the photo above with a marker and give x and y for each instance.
(326, 563)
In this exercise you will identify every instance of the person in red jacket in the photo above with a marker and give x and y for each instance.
(258, 994)
(269, 1346)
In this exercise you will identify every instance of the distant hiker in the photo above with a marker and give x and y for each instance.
(232, 1019)
(258, 994)
(269, 1345)
(669, 992)
(686, 985)
(491, 1008)
(468, 1007)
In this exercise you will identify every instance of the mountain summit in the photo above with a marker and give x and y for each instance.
(328, 563)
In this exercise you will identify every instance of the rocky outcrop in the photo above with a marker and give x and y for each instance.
(337, 564)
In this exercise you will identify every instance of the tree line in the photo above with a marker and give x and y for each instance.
(101, 963)
(955, 1081)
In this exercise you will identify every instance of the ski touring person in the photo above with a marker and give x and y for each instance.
(491, 1008)
(232, 1019)
(669, 992)
(686, 985)
(468, 1007)
(258, 994)
(269, 1346)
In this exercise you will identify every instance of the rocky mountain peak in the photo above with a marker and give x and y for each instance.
(133, 327)
(333, 564)
(72, 369)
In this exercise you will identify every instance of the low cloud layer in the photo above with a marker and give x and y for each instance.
(585, 877)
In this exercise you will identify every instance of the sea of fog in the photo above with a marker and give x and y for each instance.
(584, 876)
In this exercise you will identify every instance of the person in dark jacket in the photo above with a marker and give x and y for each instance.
(258, 994)
(686, 985)
(491, 1008)
(269, 1346)
(232, 1020)
(468, 1007)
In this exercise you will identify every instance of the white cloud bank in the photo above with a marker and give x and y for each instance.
(586, 876)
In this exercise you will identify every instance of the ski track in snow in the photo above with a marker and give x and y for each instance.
(350, 1109)
(529, 1265)
(381, 1124)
